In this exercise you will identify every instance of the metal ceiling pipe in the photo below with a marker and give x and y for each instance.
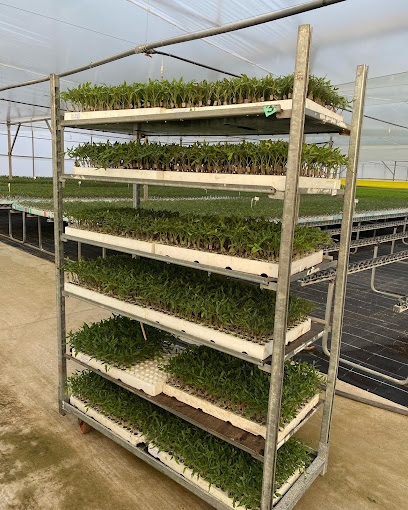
(230, 27)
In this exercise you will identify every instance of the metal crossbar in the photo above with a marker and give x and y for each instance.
(355, 267)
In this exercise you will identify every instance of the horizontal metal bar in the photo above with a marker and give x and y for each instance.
(30, 121)
(335, 219)
(163, 403)
(356, 267)
(371, 402)
(146, 457)
(231, 27)
(211, 68)
(252, 278)
(372, 226)
(25, 83)
(11, 240)
(173, 184)
(370, 241)
(301, 485)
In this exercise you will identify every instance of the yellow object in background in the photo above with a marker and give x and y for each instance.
(372, 183)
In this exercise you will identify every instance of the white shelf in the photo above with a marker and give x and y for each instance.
(200, 333)
(138, 438)
(234, 119)
(147, 376)
(221, 495)
(237, 420)
(240, 182)
(216, 260)
(131, 436)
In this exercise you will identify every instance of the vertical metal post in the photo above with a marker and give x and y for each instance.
(10, 224)
(23, 217)
(104, 253)
(343, 257)
(58, 170)
(136, 196)
(136, 187)
(32, 150)
(10, 162)
(39, 233)
(79, 251)
(145, 193)
(327, 315)
(289, 220)
(372, 280)
(393, 241)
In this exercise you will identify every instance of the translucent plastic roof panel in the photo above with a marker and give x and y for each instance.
(46, 36)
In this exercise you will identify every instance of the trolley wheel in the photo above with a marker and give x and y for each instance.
(84, 427)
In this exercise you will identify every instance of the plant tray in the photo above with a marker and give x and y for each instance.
(240, 182)
(144, 376)
(147, 376)
(137, 439)
(175, 325)
(120, 430)
(243, 265)
(236, 419)
(218, 493)
(233, 119)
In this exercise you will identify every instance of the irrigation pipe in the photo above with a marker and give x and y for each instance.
(373, 403)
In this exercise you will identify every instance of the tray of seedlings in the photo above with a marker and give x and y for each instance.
(228, 473)
(126, 350)
(228, 106)
(220, 385)
(246, 245)
(259, 167)
(205, 308)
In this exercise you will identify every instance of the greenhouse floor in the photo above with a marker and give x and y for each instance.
(45, 463)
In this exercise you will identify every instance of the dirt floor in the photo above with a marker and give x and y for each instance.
(45, 463)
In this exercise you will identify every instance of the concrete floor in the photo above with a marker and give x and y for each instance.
(45, 463)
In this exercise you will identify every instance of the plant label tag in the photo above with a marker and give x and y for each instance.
(269, 110)
(75, 115)
(153, 451)
(85, 360)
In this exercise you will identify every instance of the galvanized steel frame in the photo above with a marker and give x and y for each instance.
(290, 217)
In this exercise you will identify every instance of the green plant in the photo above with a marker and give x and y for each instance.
(239, 385)
(242, 237)
(216, 461)
(180, 94)
(267, 157)
(120, 341)
(232, 306)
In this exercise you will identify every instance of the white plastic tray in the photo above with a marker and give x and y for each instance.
(257, 267)
(208, 335)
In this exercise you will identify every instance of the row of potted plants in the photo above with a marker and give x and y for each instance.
(235, 307)
(181, 94)
(268, 157)
(252, 238)
(228, 381)
(218, 463)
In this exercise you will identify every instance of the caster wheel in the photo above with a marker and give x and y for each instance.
(84, 427)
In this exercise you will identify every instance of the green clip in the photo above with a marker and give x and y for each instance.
(269, 110)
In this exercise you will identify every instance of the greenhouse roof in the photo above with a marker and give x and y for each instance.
(47, 36)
